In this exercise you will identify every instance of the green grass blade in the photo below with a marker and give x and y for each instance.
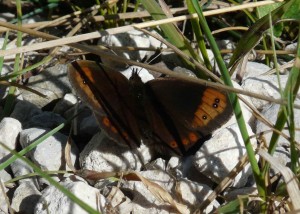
(10, 97)
(290, 93)
(199, 36)
(253, 35)
(173, 35)
(3, 48)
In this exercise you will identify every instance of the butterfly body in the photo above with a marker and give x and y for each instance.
(171, 112)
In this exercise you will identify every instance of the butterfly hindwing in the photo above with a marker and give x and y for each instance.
(192, 111)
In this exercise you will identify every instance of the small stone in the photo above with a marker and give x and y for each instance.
(9, 131)
(25, 198)
(270, 112)
(52, 82)
(219, 155)
(25, 106)
(133, 38)
(119, 202)
(264, 85)
(65, 103)
(48, 155)
(3, 201)
(5, 176)
(54, 201)
(102, 154)
(142, 72)
(253, 69)
(44, 120)
(20, 168)
(193, 194)
(235, 193)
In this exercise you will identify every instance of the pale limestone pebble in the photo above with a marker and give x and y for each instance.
(54, 201)
(220, 154)
(226, 44)
(191, 193)
(143, 200)
(52, 82)
(85, 123)
(25, 198)
(270, 112)
(65, 103)
(9, 131)
(25, 106)
(117, 202)
(291, 47)
(89, 125)
(9, 57)
(143, 73)
(6, 17)
(4, 200)
(133, 38)
(252, 69)
(20, 168)
(4, 175)
(48, 155)
(45, 120)
(232, 194)
(103, 154)
(264, 85)
(157, 164)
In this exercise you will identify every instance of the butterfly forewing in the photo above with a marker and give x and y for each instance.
(110, 91)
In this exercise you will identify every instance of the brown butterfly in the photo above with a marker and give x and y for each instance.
(172, 112)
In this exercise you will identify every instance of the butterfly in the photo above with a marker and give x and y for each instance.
(166, 111)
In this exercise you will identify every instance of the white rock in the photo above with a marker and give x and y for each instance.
(52, 82)
(143, 73)
(9, 131)
(119, 202)
(6, 17)
(264, 85)
(226, 44)
(48, 155)
(143, 200)
(253, 69)
(219, 155)
(193, 194)
(20, 168)
(54, 201)
(235, 193)
(4, 175)
(25, 106)
(132, 38)
(271, 112)
(157, 164)
(103, 154)
(25, 198)
(3, 201)
(65, 103)
(46, 119)
(89, 125)
(291, 47)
